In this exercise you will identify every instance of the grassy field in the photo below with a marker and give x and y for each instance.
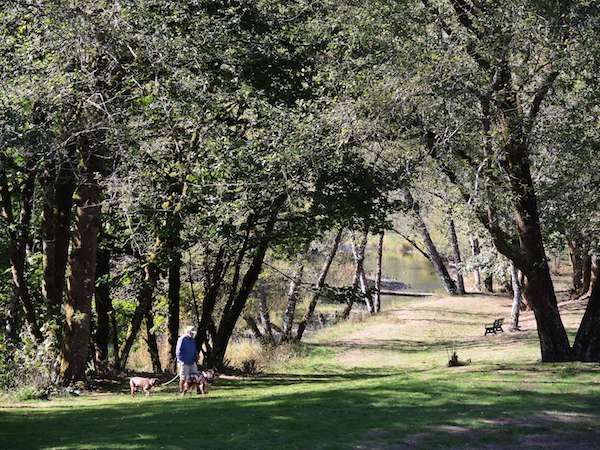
(381, 383)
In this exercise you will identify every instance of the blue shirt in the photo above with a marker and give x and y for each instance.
(186, 350)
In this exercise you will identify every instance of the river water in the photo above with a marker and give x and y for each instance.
(409, 268)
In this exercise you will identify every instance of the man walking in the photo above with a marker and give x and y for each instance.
(186, 353)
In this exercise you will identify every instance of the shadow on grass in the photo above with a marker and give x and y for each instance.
(417, 346)
(299, 412)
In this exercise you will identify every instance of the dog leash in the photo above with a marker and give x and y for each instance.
(169, 382)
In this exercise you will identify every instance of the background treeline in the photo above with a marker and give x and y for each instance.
(144, 141)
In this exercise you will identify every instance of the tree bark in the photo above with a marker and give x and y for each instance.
(114, 336)
(82, 273)
(595, 270)
(516, 306)
(265, 316)
(587, 342)
(432, 251)
(350, 302)
(319, 286)
(460, 284)
(58, 189)
(17, 246)
(586, 273)
(530, 257)
(488, 283)
(292, 298)
(358, 251)
(232, 313)
(151, 342)
(475, 251)
(144, 305)
(103, 305)
(254, 327)
(377, 304)
(576, 256)
(174, 288)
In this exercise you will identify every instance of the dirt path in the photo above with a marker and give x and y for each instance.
(421, 335)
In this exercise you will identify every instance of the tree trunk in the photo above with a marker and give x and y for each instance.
(531, 256)
(319, 286)
(586, 273)
(82, 277)
(265, 317)
(350, 302)
(144, 305)
(432, 251)
(379, 270)
(103, 305)
(594, 274)
(516, 306)
(460, 284)
(13, 322)
(254, 327)
(17, 247)
(292, 299)
(56, 226)
(232, 314)
(488, 283)
(436, 259)
(173, 294)
(48, 231)
(114, 335)
(151, 342)
(587, 342)
(358, 251)
(475, 251)
(576, 256)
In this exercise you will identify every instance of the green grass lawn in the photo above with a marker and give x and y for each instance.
(377, 384)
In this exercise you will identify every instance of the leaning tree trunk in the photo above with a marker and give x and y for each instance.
(587, 342)
(377, 304)
(82, 276)
(17, 248)
(516, 305)
(103, 305)
(292, 299)
(144, 305)
(235, 306)
(475, 251)
(432, 251)
(554, 343)
(319, 286)
(436, 259)
(460, 283)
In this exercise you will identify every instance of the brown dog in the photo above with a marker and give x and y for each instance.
(145, 384)
(200, 380)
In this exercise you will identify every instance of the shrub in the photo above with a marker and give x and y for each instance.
(30, 393)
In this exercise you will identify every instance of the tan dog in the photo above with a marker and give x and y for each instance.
(145, 384)
(200, 380)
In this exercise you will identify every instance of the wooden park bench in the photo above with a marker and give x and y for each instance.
(494, 327)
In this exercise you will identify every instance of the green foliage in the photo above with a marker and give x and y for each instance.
(29, 393)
